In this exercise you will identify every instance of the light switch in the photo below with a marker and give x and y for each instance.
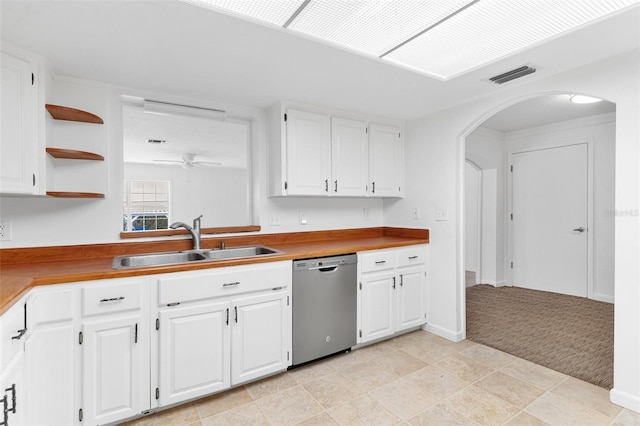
(303, 218)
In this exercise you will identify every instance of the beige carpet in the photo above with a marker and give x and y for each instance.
(569, 334)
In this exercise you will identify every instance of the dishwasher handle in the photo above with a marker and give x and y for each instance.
(324, 268)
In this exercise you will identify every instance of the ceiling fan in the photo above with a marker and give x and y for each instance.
(188, 161)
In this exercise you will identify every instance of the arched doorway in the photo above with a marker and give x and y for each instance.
(538, 124)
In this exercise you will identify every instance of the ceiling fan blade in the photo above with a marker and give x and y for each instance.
(169, 161)
(207, 163)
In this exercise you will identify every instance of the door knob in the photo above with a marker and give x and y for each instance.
(581, 229)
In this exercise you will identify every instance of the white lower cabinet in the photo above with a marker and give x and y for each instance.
(393, 289)
(111, 363)
(13, 393)
(51, 379)
(194, 351)
(259, 335)
(115, 352)
(219, 328)
(378, 307)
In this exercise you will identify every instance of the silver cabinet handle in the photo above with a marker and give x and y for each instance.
(581, 229)
(113, 299)
(381, 262)
(326, 185)
(413, 257)
(231, 284)
(336, 186)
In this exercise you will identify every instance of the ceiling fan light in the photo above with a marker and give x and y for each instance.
(582, 99)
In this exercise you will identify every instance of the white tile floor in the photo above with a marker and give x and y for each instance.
(414, 379)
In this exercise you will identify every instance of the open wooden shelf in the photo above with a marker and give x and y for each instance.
(73, 154)
(71, 114)
(74, 194)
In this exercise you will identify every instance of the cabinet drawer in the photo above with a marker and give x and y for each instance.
(113, 297)
(377, 260)
(185, 287)
(415, 255)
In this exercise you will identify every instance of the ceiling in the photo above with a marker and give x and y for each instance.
(422, 35)
(182, 50)
(542, 111)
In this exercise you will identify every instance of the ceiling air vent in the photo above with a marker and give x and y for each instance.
(512, 75)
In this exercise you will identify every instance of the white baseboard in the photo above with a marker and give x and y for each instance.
(603, 298)
(631, 402)
(444, 332)
(501, 283)
(490, 282)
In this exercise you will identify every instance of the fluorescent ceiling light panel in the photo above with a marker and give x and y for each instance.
(440, 38)
(165, 108)
(371, 27)
(275, 12)
(492, 29)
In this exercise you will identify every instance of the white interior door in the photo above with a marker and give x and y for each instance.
(550, 214)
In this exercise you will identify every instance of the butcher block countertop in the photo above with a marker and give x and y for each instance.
(23, 268)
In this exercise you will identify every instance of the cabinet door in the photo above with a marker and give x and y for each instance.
(19, 126)
(378, 305)
(13, 393)
(385, 161)
(194, 351)
(349, 157)
(259, 337)
(51, 379)
(308, 153)
(111, 365)
(410, 297)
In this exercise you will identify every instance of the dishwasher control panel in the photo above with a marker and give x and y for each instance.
(324, 262)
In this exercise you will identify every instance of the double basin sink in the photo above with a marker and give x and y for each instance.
(173, 258)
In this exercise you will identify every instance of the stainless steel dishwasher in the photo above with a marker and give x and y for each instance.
(324, 306)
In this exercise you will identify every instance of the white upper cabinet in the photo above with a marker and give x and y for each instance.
(313, 152)
(385, 161)
(19, 144)
(349, 157)
(308, 153)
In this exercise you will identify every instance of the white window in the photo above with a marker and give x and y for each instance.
(146, 205)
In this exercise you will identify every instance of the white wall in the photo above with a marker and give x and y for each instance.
(485, 148)
(435, 157)
(471, 229)
(50, 221)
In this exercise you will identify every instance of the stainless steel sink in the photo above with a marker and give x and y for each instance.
(234, 252)
(173, 258)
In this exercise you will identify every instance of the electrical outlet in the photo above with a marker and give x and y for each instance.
(274, 220)
(5, 231)
(415, 213)
(303, 218)
(365, 213)
(442, 213)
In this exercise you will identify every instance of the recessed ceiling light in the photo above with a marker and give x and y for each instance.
(582, 99)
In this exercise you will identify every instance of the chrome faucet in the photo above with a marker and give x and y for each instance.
(193, 230)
